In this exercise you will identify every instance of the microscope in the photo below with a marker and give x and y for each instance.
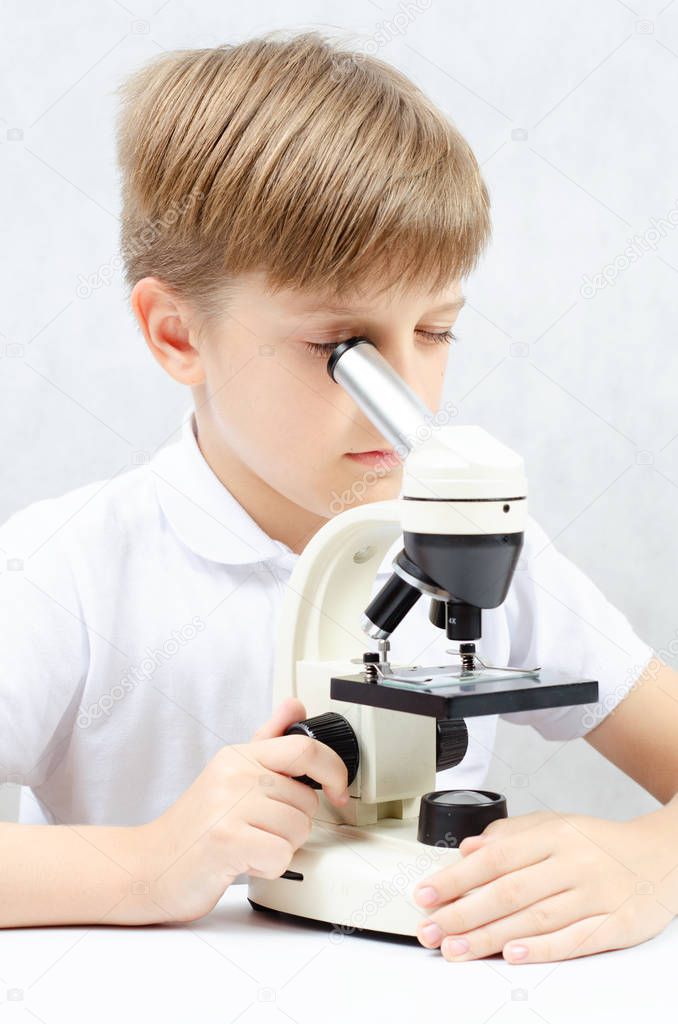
(461, 516)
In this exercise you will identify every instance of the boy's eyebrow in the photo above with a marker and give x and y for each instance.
(453, 306)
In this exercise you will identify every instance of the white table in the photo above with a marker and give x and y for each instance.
(237, 964)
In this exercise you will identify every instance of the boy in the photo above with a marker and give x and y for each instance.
(279, 197)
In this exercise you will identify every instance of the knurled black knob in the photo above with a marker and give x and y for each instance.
(451, 742)
(449, 815)
(336, 732)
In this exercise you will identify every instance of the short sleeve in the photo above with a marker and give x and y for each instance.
(559, 620)
(44, 647)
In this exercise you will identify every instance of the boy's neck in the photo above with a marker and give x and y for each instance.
(279, 517)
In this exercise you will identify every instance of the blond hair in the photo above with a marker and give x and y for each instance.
(321, 166)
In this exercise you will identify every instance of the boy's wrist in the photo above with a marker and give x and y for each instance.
(159, 888)
(137, 888)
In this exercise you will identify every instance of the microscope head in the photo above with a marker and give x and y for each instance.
(463, 503)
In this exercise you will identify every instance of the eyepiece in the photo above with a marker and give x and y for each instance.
(391, 404)
(338, 352)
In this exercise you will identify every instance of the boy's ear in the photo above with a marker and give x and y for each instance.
(165, 326)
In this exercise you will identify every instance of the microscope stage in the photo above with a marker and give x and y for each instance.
(481, 696)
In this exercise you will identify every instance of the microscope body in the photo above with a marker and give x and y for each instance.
(461, 513)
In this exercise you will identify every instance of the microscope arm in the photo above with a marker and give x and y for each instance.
(329, 589)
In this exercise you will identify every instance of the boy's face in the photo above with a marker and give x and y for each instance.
(269, 398)
(266, 408)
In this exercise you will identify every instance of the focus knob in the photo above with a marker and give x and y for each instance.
(448, 816)
(336, 732)
(451, 742)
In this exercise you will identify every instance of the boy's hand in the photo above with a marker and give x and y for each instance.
(543, 887)
(244, 814)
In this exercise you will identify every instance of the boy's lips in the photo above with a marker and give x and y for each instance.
(385, 457)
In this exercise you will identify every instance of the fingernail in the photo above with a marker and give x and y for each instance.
(427, 894)
(455, 947)
(431, 932)
(517, 952)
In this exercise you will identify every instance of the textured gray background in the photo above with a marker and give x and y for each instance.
(571, 111)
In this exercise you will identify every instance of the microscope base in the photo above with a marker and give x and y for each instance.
(356, 878)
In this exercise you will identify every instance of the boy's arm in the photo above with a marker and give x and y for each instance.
(73, 874)
(640, 734)
(246, 813)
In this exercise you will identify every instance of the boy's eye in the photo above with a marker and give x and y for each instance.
(435, 336)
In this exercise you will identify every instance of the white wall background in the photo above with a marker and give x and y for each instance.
(571, 110)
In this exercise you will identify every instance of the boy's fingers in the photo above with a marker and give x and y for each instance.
(288, 712)
(297, 755)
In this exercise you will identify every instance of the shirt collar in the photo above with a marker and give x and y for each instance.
(203, 512)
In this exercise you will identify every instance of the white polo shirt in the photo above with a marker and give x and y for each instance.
(137, 625)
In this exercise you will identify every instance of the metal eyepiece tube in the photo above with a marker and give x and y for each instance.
(383, 396)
